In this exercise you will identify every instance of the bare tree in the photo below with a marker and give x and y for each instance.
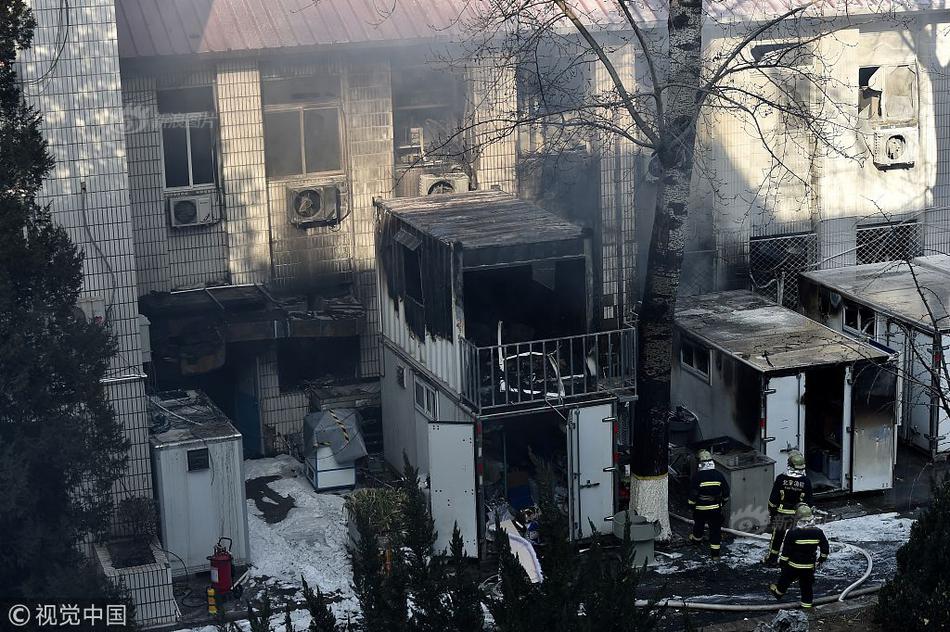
(550, 46)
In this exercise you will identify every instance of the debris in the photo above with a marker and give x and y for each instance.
(785, 621)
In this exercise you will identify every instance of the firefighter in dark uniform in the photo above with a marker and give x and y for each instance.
(805, 548)
(709, 492)
(789, 490)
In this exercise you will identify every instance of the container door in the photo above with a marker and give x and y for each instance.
(874, 413)
(590, 451)
(942, 403)
(452, 483)
(784, 428)
(919, 391)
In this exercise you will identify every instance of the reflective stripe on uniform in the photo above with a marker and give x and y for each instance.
(806, 541)
(797, 565)
(710, 484)
(786, 511)
(706, 507)
(715, 547)
(806, 605)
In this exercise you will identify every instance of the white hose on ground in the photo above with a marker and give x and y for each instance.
(701, 605)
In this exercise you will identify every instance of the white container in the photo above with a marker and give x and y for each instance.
(326, 473)
(198, 469)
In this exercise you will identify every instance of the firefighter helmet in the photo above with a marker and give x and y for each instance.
(704, 455)
(796, 460)
(803, 513)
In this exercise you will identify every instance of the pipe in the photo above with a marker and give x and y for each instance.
(682, 604)
(850, 590)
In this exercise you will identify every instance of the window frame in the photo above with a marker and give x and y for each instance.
(184, 120)
(886, 120)
(429, 392)
(301, 109)
(204, 460)
(694, 346)
(860, 311)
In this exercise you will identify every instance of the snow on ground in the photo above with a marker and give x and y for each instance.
(310, 541)
(741, 574)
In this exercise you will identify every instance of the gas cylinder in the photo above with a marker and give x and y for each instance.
(221, 567)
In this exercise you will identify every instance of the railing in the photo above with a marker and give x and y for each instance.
(554, 371)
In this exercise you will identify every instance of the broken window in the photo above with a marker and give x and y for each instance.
(412, 271)
(887, 93)
(427, 112)
(426, 400)
(888, 242)
(305, 361)
(302, 131)
(188, 140)
(859, 319)
(694, 356)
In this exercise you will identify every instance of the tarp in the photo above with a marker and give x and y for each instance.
(337, 429)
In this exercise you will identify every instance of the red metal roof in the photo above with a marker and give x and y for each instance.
(161, 28)
(158, 28)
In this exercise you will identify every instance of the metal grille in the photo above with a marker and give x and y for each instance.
(775, 262)
(888, 242)
(698, 273)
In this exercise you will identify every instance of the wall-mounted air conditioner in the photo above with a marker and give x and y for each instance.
(316, 205)
(434, 183)
(895, 146)
(194, 210)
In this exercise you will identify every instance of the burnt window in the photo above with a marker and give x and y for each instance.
(694, 356)
(776, 261)
(887, 93)
(198, 460)
(302, 131)
(888, 242)
(859, 319)
(188, 136)
(305, 361)
(427, 112)
(412, 273)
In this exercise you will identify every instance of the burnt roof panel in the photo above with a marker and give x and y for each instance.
(482, 219)
(768, 337)
(891, 287)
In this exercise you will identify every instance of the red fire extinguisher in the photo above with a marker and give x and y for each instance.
(221, 567)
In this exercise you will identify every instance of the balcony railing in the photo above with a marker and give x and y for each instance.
(554, 371)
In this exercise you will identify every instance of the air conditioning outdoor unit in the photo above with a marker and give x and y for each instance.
(316, 205)
(194, 210)
(895, 147)
(434, 183)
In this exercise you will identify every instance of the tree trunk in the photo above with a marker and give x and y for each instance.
(665, 258)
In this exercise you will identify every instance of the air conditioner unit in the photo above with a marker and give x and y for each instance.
(316, 205)
(895, 147)
(194, 210)
(433, 183)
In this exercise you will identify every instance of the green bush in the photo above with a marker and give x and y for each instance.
(917, 598)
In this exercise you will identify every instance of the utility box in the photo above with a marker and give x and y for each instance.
(750, 476)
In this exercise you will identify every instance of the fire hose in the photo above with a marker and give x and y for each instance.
(730, 607)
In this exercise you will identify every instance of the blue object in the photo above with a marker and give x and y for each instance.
(520, 497)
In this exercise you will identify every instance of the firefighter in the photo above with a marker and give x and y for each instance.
(799, 559)
(709, 492)
(789, 490)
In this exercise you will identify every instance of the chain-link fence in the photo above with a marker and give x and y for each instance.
(775, 262)
(888, 242)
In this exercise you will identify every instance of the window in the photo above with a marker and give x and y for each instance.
(413, 274)
(198, 460)
(188, 139)
(401, 376)
(859, 319)
(302, 132)
(426, 399)
(694, 356)
(887, 93)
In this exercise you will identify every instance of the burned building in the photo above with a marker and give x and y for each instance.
(493, 361)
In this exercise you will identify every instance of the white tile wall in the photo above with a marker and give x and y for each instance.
(281, 413)
(494, 94)
(79, 97)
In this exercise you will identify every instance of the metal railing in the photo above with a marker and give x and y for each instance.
(555, 370)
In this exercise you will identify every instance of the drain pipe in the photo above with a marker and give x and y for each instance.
(850, 591)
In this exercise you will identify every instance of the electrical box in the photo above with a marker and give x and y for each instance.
(750, 476)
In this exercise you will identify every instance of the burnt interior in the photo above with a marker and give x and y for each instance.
(533, 301)
(513, 451)
(824, 410)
